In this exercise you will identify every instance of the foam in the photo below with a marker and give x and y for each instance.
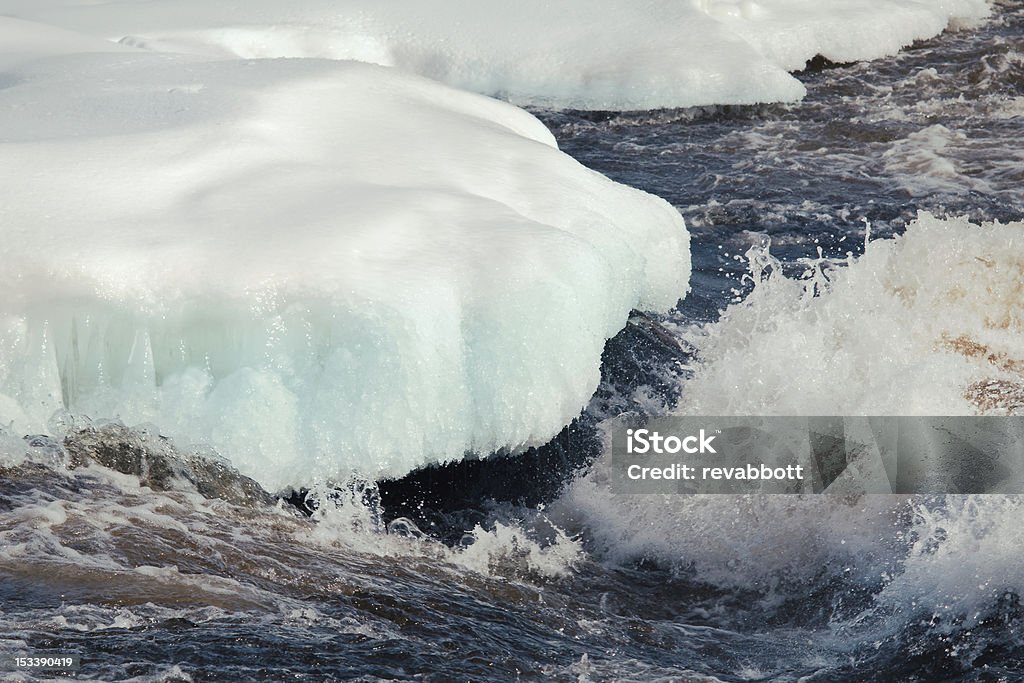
(916, 326)
(924, 163)
(907, 329)
(934, 577)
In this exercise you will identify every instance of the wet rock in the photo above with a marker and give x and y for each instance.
(159, 465)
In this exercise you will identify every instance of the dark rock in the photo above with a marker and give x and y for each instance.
(819, 63)
(444, 500)
(159, 465)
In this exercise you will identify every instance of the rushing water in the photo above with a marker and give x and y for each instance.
(936, 128)
(160, 582)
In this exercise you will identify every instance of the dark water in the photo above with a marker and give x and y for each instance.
(148, 584)
(936, 128)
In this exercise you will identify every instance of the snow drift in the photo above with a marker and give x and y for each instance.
(570, 54)
(314, 266)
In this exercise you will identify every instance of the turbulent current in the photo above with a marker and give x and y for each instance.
(817, 287)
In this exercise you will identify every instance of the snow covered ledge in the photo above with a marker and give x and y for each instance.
(314, 266)
(584, 54)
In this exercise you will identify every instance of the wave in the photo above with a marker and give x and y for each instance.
(108, 501)
(928, 323)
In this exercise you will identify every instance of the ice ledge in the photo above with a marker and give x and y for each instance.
(313, 266)
(582, 54)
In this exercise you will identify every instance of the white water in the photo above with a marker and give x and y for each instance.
(897, 331)
(907, 329)
(103, 530)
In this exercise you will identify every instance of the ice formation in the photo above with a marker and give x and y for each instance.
(314, 266)
(575, 53)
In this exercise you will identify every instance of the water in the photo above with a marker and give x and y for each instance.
(936, 128)
(161, 582)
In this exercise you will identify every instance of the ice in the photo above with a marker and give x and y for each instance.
(570, 54)
(789, 32)
(314, 266)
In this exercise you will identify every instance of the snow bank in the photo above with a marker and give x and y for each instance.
(789, 32)
(314, 266)
(575, 53)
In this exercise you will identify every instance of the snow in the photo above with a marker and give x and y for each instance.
(789, 32)
(314, 266)
(570, 54)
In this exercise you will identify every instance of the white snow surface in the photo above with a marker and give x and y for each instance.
(315, 266)
(585, 54)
